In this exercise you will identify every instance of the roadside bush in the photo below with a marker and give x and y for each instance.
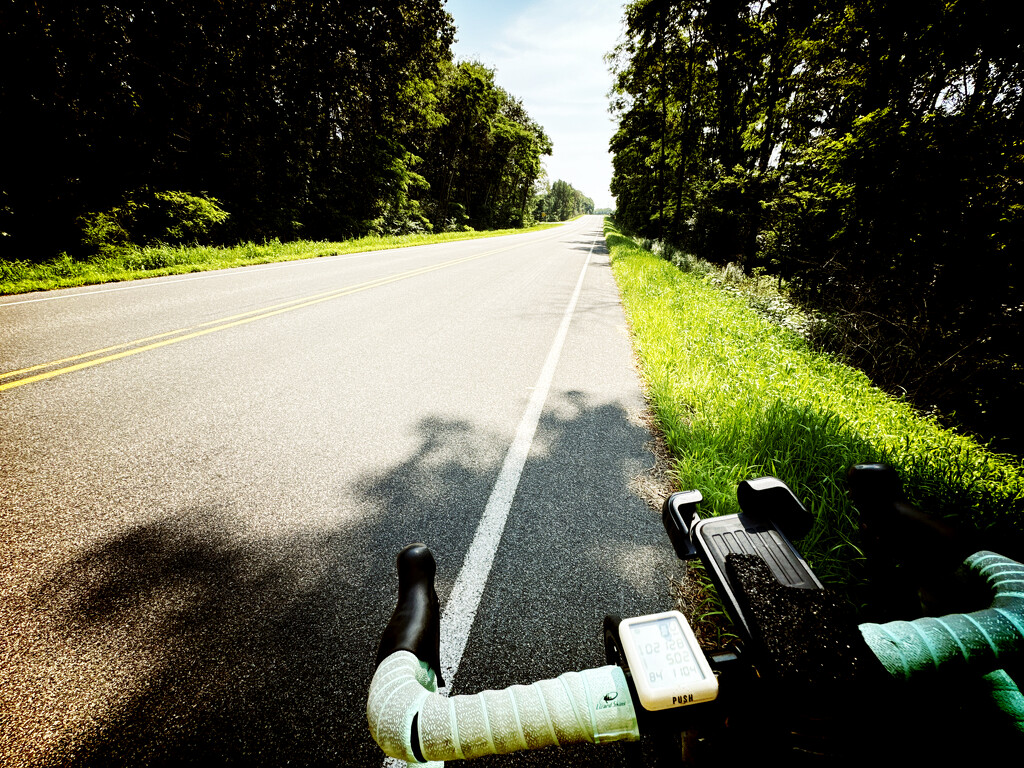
(178, 218)
(146, 218)
(11, 271)
(102, 233)
(738, 394)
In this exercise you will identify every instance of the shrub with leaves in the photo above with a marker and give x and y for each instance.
(179, 218)
(102, 233)
(145, 218)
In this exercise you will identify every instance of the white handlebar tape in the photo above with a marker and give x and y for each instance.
(406, 716)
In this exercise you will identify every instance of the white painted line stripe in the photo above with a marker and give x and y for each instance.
(460, 610)
(464, 600)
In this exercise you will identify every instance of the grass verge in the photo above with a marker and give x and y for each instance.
(19, 276)
(738, 396)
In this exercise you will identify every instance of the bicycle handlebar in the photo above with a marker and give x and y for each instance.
(415, 626)
(412, 722)
(971, 641)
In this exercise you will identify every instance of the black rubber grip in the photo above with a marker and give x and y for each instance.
(415, 626)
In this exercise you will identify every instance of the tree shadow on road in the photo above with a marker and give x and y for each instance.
(188, 640)
(192, 646)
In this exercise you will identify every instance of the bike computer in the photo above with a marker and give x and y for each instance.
(668, 667)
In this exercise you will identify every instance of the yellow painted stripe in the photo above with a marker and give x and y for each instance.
(20, 371)
(182, 334)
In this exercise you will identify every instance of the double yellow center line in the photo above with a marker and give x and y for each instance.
(23, 376)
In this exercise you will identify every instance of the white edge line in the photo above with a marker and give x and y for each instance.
(464, 601)
(460, 610)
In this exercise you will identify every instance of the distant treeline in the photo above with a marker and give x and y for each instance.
(561, 201)
(869, 153)
(320, 120)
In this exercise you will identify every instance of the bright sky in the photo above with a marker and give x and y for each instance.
(549, 54)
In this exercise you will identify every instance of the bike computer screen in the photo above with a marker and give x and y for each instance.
(668, 667)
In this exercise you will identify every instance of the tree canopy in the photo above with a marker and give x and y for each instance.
(560, 201)
(868, 152)
(314, 119)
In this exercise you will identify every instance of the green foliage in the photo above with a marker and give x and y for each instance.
(103, 234)
(145, 217)
(561, 201)
(20, 276)
(403, 214)
(482, 159)
(869, 156)
(331, 120)
(738, 396)
(179, 218)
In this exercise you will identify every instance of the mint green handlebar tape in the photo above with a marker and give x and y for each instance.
(593, 705)
(979, 642)
(1006, 697)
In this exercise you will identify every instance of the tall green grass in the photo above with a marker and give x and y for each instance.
(21, 276)
(738, 396)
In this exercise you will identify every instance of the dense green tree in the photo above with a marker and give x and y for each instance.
(322, 119)
(482, 158)
(868, 152)
(563, 201)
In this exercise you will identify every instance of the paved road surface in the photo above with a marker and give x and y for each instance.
(205, 480)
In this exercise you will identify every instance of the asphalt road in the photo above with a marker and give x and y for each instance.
(205, 480)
